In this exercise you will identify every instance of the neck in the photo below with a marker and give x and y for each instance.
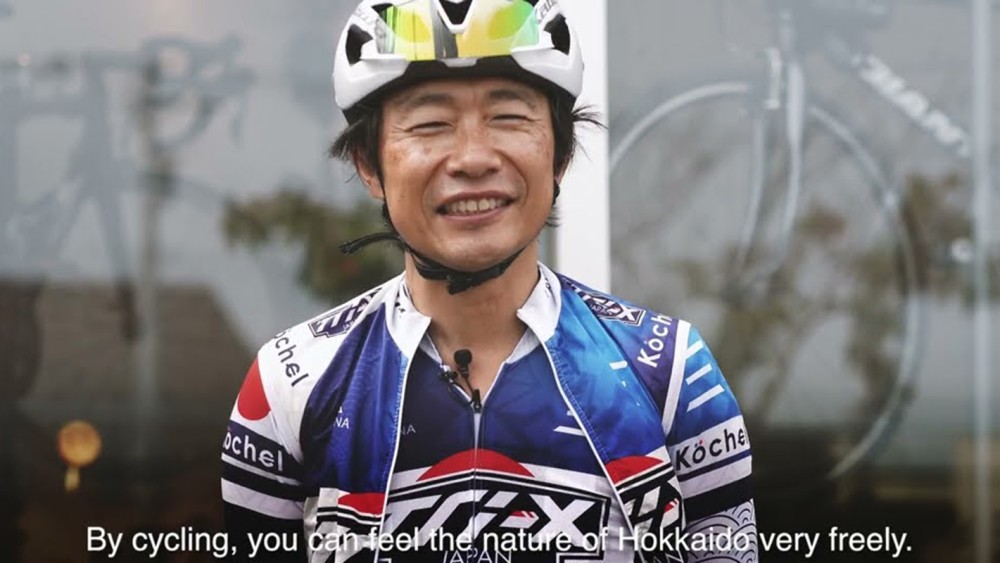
(483, 317)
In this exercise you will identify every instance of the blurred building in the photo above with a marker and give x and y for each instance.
(818, 384)
(156, 471)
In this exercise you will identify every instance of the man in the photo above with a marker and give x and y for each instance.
(479, 407)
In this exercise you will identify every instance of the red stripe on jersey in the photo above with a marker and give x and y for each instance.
(252, 402)
(366, 503)
(621, 469)
(483, 459)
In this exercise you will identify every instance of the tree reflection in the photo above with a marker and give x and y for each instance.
(293, 217)
(766, 320)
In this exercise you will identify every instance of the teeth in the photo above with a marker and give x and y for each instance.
(468, 207)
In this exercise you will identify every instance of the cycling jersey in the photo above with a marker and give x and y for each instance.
(607, 431)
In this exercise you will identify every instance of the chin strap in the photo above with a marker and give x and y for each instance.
(458, 280)
(352, 246)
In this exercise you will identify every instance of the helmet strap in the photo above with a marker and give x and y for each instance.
(458, 280)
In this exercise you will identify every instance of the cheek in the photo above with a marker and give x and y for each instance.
(403, 166)
(394, 158)
(543, 147)
(406, 171)
(531, 151)
(537, 153)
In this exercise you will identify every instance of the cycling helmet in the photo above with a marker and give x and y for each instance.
(388, 44)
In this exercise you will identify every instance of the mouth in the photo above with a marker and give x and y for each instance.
(473, 206)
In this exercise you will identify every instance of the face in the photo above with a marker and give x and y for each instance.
(467, 167)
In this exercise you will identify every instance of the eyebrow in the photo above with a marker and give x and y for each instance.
(513, 95)
(413, 101)
(416, 100)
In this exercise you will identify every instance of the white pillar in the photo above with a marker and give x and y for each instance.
(583, 240)
(981, 348)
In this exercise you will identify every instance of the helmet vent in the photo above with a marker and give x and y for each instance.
(559, 31)
(356, 38)
(381, 9)
(456, 11)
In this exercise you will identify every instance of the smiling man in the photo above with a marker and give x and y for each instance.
(480, 407)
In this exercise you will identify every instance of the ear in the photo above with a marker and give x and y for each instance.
(561, 173)
(367, 174)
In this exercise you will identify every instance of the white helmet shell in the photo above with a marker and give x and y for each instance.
(371, 55)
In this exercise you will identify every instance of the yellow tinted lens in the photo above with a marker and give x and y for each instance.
(410, 29)
(511, 19)
(498, 27)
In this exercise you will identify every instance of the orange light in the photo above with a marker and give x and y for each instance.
(79, 445)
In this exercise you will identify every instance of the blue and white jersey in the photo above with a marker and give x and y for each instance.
(607, 433)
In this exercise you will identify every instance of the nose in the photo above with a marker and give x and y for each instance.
(475, 155)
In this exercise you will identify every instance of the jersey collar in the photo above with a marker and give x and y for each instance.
(540, 313)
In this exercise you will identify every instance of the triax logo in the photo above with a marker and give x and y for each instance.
(650, 493)
(607, 308)
(501, 497)
(341, 319)
(649, 498)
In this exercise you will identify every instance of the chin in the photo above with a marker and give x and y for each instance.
(473, 260)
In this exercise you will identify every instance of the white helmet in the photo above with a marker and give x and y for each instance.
(389, 43)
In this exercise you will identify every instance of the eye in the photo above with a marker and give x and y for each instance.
(428, 126)
(512, 117)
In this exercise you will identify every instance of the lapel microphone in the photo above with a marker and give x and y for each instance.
(462, 359)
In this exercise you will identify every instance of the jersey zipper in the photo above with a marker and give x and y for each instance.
(477, 407)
